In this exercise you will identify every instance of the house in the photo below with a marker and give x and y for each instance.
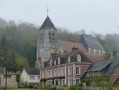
(64, 69)
(11, 79)
(108, 68)
(31, 76)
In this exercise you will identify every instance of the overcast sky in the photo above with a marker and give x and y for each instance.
(99, 16)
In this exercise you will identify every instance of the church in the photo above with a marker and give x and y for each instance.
(63, 62)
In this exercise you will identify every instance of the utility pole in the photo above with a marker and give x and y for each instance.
(6, 76)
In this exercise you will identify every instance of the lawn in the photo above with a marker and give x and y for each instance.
(21, 89)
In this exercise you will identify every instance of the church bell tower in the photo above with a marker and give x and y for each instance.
(46, 41)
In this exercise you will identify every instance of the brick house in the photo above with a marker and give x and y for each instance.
(64, 69)
(11, 79)
(31, 76)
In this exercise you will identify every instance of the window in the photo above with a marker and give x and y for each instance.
(51, 73)
(55, 62)
(77, 70)
(114, 73)
(50, 62)
(59, 72)
(59, 60)
(69, 71)
(93, 73)
(78, 58)
(32, 77)
(88, 74)
(69, 60)
(98, 72)
(38, 77)
(48, 73)
(55, 74)
(63, 72)
(42, 74)
(77, 81)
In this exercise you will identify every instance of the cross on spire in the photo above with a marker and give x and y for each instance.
(47, 10)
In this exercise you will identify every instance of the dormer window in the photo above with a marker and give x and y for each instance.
(114, 73)
(69, 59)
(50, 62)
(55, 62)
(78, 58)
(58, 60)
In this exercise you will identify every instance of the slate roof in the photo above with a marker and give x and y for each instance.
(91, 42)
(112, 67)
(47, 24)
(32, 71)
(100, 65)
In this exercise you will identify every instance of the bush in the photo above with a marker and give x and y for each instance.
(47, 87)
(35, 87)
(53, 88)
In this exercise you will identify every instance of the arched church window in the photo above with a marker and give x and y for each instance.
(51, 62)
(78, 58)
(58, 60)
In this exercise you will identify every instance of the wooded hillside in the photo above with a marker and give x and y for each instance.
(20, 40)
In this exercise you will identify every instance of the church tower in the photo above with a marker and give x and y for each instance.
(46, 41)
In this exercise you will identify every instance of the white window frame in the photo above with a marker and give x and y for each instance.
(78, 71)
(55, 62)
(59, 72)
(55, 72)
(69, 71)
(63, 72)
(38, 77)
(32, 77)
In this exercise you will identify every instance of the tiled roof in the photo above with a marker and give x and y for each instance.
(91, 42)
(64, 58)
(32, 71)
(69, 45)
(94, 58)
(47, 24)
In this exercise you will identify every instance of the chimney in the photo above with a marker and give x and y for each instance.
(74, 49)
(115, 54)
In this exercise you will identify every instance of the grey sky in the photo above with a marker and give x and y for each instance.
(99, 16)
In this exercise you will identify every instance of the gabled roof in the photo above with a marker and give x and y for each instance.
(32, 71)
(47, 24)
(91, 42)
(112, 66)
(69, 45)
(99, 65)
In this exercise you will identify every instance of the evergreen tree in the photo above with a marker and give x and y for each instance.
(3, 51)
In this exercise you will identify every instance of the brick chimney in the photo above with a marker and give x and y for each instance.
(74, 49)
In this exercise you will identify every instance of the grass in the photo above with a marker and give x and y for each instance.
(20, 89)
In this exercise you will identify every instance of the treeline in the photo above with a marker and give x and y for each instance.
(21, 41)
